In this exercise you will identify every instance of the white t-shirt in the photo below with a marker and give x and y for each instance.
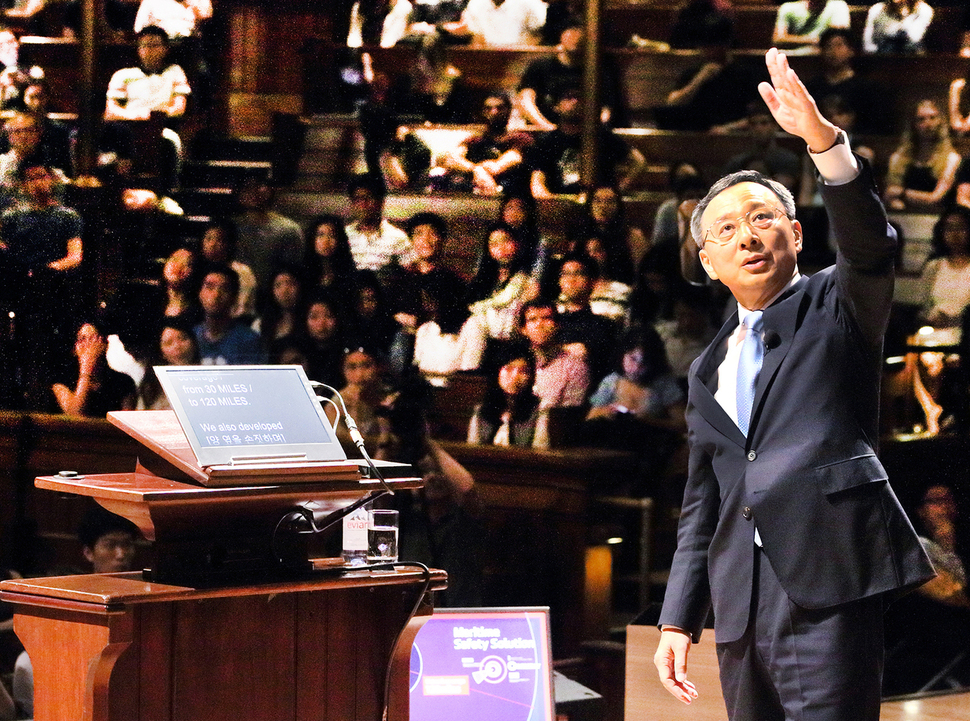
(134, 89)
(511, 23)
(793, 18)
(176, 19)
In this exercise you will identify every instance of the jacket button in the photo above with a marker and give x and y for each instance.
(752, 455)
(746, 513)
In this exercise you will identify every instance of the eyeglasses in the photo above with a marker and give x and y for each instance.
(763, 217)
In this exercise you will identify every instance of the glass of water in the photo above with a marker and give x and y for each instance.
(382, 536)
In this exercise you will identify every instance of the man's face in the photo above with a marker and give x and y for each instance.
(113, 552)
(151, 52)
(496, 112)
(837, 52)
(216, 296)
(38, 183)
(364, 206)
(756, 264)
(215, 247)
(576, 286)
(539, 327)
(24, 135)
(427, 242)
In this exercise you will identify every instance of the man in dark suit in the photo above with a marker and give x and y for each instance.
(790, 527)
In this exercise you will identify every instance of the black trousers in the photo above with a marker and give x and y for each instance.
(799, 664)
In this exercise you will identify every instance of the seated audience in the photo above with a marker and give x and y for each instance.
(509, 413)
(503, 23)
(156, 86)
(374, 242)
(577, 322)
(222, 338)
(363, 392)
(714, 93)
(178, 18)
(555, 157)
(501, 284)
(764, 153)
(373, 315)
(444, 343)
(923, 169)
(605, 218)
(25, 139)
(610, 296)
(547, 78)
(896, 26)
(562, 375)
(378, 22)
(328, 261)
(323, 339)
(267, 239)
(800, 23)
(491, 162)
(946, 276)
(283, 312)
(219, 244)
(837, 51)
(181, 278)
(520, 212)
(177, 346)
(56, 138)
(433, 90)
(91, 388)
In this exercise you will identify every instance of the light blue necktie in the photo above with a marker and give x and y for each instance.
(749, 364)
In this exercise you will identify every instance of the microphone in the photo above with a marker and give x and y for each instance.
(771, 340)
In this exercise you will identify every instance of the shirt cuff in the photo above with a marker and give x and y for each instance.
(837, 165)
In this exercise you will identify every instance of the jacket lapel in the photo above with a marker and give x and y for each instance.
(702, 393)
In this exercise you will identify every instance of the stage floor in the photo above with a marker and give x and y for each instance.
(942, 707)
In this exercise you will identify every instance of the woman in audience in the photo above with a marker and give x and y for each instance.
(182, 279)
(444, 343)
(91, 388)
(611, 296)
(280, 320)
(219, 246)
(374, 322)
(434, 89)
(923, 168)
(604, 217)
(946, 276)
(521, 213)
(501, 284)
(329, 262)
(177, 346)
(896, 26)
(509, 414)
(363, 392)
(323, 340)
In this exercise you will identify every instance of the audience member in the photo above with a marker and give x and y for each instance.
(374, 242)
(837, 50)
(283, 311)
(896, 26)
(509, 413)
(55, 136)
(610, 296)
(764, 153)
(41, 251)
(923, 169)
(503, 23)
(695, 19)
(577, 321)
(547, 78)
(605, 218)
(223, 339)
(562, 374)
(12, 77)
(690, 331)
(946, 276)
(686, 182)
(177, 346)
(520, 212)
(714, 93)
(373, 315)
(405, 163)
(433, 89)
(24, 133)
(178, 18)
(959, 122)
(155, 86)
(444, 343)
(219, 245)
(363, 392)
(323, 339)
(491, 162)
(378, 22)
(555, 157)
(181, 278)
(800, 23)
(328, 261)
(266, 238)
(500, 286)
(435, 16)
(91, 388)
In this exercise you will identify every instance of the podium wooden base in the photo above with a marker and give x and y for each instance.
(112, 647)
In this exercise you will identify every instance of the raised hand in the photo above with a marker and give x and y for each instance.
(792, 106)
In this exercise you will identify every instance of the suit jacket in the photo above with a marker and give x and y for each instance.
(807, 475)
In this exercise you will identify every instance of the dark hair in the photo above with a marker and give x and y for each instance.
(272, 314)
(613, 234)
(844, 33)
(226, 272)
(150, 390)
(940, 249)
(485, 282)
(341, 261)
(590, 269)
(98, 522)
(498, 95)
(366, 181)
(436, 222)
(34, 160)
(153, 30)
(230, 232)
(495, 402)
(529, 232)
(654, 352)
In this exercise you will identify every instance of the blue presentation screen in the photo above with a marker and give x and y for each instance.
(483, 665)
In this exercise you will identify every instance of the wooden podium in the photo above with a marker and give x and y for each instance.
(229, 623)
